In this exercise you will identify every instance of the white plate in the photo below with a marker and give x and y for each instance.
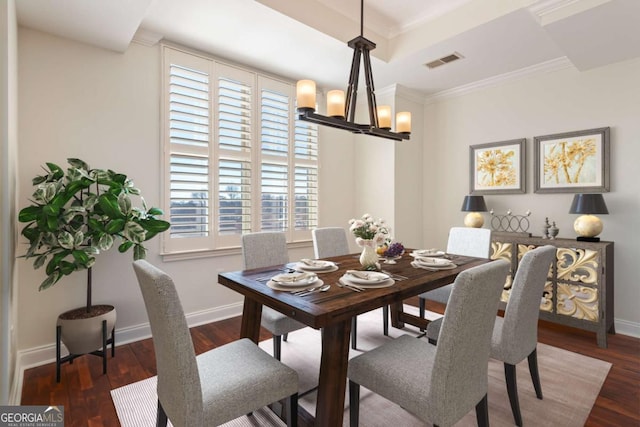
(433, 262)
(294, 279)
(316, 265)
(280, 287)
(427, 253)
(384, 284)
(442, 267)
(366, 277)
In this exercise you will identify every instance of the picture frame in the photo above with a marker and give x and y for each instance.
(572, 162)
(497, 167)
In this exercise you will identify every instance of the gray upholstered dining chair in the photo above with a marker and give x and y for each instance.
(467, 241)
(439, 384)
(332, 241)
(216, 386)
(515, 336)
(264, 249)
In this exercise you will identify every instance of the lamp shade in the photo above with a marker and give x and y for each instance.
(473, 204)
(588, 204)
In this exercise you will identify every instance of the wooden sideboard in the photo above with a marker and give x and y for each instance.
(579, 287)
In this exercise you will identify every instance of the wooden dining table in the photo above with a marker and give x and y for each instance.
(333, 310)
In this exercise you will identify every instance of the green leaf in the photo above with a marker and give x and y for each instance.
(133, 231)
(91, 250)
(124, 202)
(52, 223)
(39, 262)
(155, 211)
(49, 281)
(109, 204)
(115, 226)
(55, 261)
(67, 267)
(78, 239)
(81, 257)
(30, 213)
(105, 242)
(95, 225)
(77, 163)
(124, 246)
(65, 239)
(155, 225)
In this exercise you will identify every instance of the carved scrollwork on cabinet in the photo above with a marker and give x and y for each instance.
(579, 288)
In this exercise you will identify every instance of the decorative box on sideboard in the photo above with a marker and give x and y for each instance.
(579, 288)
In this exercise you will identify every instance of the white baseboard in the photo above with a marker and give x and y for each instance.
(624, 327)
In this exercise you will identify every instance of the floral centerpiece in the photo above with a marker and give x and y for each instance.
(369, 234)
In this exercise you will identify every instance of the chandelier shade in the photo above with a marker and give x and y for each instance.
(341, 108)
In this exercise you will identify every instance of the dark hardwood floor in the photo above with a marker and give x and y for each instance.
(84, 390)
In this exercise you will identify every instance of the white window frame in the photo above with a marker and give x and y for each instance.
(222, 244)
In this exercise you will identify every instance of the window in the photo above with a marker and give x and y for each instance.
(236, 158)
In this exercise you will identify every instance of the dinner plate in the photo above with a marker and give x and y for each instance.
(346, 279)
(279, 287)
(433, 262)
(427, 253)
(365, 277)
(294, 279)
(426, 267)
(318, 265)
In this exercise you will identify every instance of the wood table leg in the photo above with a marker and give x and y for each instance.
(396, 315)
(333, 374)
(251, 315)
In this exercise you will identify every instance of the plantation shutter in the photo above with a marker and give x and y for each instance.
(274, 154)
(235, 103)
(188, 165)
(235, 159)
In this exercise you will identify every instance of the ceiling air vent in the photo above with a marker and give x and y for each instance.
(444, 60)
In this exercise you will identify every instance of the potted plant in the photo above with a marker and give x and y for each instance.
(73, 217)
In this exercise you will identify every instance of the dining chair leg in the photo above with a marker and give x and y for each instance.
(354, 404)
(385, 320)
(421, 308)
(354, 332)
(512, 390)
(277, 346)
(482, 412)
(533, 369)
(284, 337)
(292, 410)
(161, 420)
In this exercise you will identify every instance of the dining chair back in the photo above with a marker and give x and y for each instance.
(263, 250)
(515, 337)
(329, 241)
(466, 241)
(439, 384)
(217, 386)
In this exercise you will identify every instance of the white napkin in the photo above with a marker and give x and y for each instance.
(359, 274)
(292, 278)
(311, 263)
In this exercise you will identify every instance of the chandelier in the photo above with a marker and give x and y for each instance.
(341, 111)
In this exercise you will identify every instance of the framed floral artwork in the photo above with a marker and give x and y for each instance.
(572, 162)
(497, 167)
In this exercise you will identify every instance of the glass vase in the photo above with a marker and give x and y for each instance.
(369, 257)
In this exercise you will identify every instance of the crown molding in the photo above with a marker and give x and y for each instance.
(146, 37)
(544, 67)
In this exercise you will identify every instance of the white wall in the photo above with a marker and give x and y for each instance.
(104, 107)
(8, 172)
(555, 102)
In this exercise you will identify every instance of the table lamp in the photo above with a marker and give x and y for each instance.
(588, 226)
(474, 205)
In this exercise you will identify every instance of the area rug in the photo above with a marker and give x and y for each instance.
(570, 384)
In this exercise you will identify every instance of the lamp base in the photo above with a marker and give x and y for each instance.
(474, 220)
(587, 239)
